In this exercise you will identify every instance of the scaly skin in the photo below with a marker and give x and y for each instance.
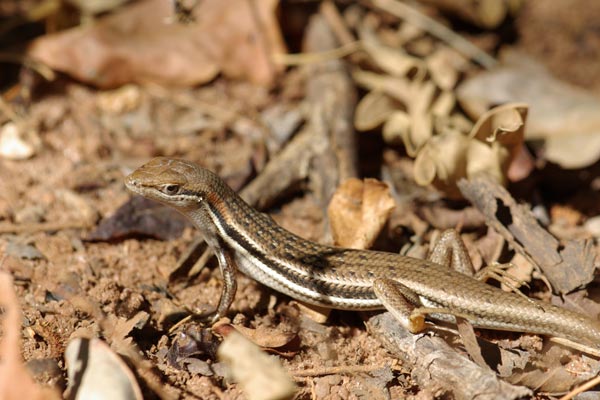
(342, 278)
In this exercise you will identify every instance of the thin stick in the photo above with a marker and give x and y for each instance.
(588, 385)
(343, 369)
(43, 227)
(415, 17)
(321, 56)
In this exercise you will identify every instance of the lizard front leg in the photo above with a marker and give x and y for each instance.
(228, 269)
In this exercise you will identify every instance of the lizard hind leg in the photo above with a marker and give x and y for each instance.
(406, 307)
(400, 301)
(450, 251)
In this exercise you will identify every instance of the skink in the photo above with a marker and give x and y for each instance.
(245, 239)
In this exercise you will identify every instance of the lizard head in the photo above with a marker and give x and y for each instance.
(178, 183)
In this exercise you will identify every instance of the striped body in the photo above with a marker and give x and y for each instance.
(337, 277)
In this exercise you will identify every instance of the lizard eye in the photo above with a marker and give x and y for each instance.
(170, 189)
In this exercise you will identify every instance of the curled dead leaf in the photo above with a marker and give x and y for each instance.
(358, 211)
(445, 65)
(442, 161)
(562, 117)
(397, 129)
(373, 110)
(394, 61)
(493, 143)
(503, 129)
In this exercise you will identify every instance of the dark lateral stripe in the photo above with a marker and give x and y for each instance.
(319, 287)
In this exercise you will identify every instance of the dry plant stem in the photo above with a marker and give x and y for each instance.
(444, 218)
(336, 23)
(343, 369)
(44, 227)
(317, 57)
(332, 99)
(28, 62)
(588, 385)
(283, 172)
(415, 17)
(436, 364)
(566, 269)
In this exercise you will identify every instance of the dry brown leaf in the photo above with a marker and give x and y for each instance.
(15, 381)
(397, 129)
(141, 43)
(469, 340)
(445, 66)
(565, 117)
(358, 211)
(484, 13)
(495, 140)
(117, 330)
(397, 88)
(373, 110)
(500, 132)
(444, 104)
(266, 337)
(442, 161)
(394, 61)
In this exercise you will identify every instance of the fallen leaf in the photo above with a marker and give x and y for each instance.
(140, 217)
(494, 141)
(260, 376)
(141, 43)
(394, 61)
(565, 117)
(265, 337)
(358, 211)
(445, 65)
(500, 134)
(373, 110)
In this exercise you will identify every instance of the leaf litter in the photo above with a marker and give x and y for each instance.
(90, 139)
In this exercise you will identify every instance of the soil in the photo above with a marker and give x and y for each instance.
(76, 178)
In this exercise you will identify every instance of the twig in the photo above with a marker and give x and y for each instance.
(342, 369)
(43, 227)
(336, 23)
(317, 57)
(433, 363)
(588, 385)
(415, 17)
